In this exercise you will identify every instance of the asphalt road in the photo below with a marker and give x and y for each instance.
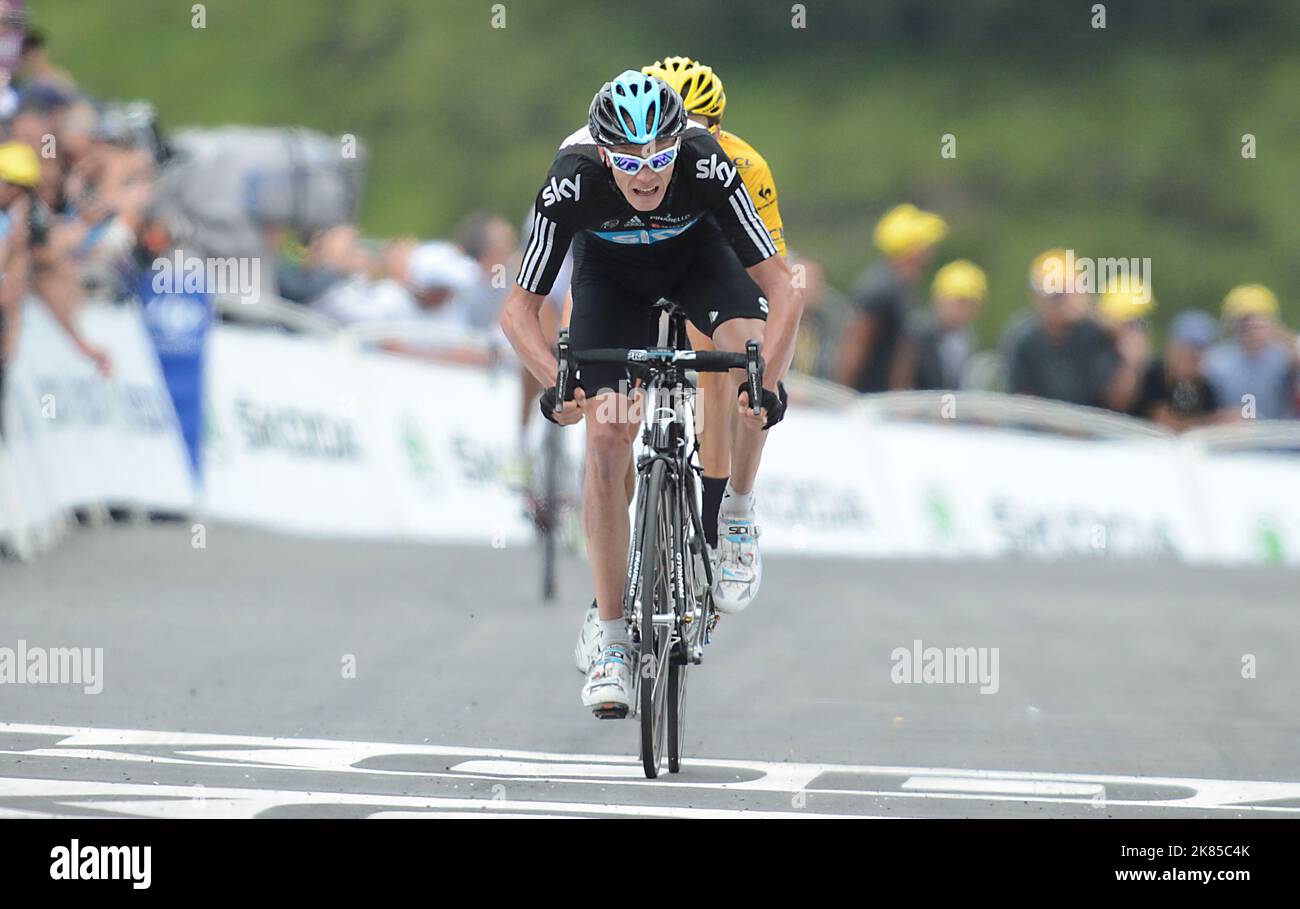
(1119, 687)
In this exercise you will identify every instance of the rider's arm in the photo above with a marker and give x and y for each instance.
(555, 218)
(523, 328)
(785, 305)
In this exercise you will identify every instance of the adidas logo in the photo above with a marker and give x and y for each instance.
(636, 222)
(713, 315)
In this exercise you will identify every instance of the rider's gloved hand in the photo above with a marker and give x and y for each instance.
(570, 413)
(774, 402)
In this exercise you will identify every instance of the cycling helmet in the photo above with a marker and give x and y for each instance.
(699, 85)
(634, 109)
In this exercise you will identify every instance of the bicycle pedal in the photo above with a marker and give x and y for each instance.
(610, 711)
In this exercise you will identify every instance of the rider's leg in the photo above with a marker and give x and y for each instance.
(633, 425)
(604, 499)
(722, 300)
(609, 685)
(747, 443)
(740, 566)
(713, 424)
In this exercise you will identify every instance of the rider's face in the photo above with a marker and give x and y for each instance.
(645, 189)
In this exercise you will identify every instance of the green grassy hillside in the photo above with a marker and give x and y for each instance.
(1122, 141)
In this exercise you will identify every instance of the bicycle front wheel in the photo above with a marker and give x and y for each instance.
(676, 712)
(656, 636)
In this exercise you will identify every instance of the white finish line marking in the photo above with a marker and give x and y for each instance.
(1005, 787)
(550, 769)
(335, 766)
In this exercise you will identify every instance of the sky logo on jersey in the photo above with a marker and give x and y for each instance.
(632, 237)
(562, 189)
(715, 169)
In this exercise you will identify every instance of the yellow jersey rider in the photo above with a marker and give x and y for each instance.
(705, 101)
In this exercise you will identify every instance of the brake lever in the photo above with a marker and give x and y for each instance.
(754, 373)
(563, 352)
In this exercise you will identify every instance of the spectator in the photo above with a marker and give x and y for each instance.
(20, 234)
(490, 241)
(1255, 368)
(414, 281)
(940, 341)
(1174, 392)
(1064, 354)
(106, 191)
(36, 69)
(1124, 312)
(883, 297)
(305, 274)
(438, 275)
(825, 312)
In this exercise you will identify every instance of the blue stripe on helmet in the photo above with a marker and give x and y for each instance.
(638, 99)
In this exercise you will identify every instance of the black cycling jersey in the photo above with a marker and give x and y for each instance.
(580, 196)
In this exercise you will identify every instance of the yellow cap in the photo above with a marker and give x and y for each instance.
(1051, 264)
(905, 229)
(960, 279)
(1249, 300)
(19, 164)
(1126, 299)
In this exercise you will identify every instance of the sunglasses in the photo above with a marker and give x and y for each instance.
(631, 164)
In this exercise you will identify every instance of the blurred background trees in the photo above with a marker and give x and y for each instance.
(1122, 141)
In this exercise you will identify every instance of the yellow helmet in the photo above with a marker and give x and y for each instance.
(699, 85)
(1249, 300)
(1124, 300)
(905, 229)
(960, 279)
(19, 165)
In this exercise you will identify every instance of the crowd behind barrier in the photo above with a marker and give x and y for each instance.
(321, 433)
(291, 410)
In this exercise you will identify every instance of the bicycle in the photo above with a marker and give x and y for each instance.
(668, 605)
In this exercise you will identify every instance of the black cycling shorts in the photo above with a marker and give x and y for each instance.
(614, 301)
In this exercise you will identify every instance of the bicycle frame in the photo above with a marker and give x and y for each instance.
(667, 597)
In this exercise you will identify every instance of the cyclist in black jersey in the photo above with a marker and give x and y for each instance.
(653, 207)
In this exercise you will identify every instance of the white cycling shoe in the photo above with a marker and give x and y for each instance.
(608, 691)
(739, 569)
(588, 646)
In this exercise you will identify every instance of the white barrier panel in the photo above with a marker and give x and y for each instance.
(28, 483)
(145, 460)
(309, 435)
(820, 490)
(968, 491)
(446, 435)
(287, 444)
(77, 439)
(1255, 501)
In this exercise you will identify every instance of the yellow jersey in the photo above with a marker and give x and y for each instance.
(757, 177)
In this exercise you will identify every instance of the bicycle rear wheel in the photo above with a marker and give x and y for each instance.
(656, 637)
